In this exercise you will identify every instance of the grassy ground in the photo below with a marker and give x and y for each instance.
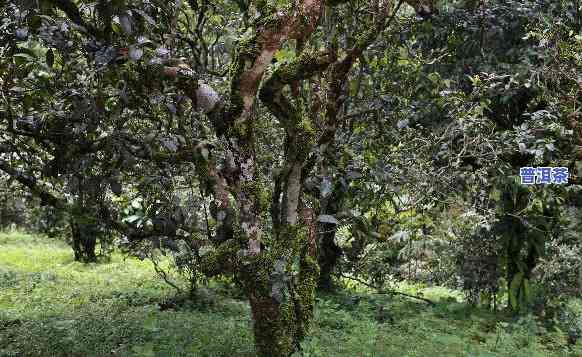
(52, 306)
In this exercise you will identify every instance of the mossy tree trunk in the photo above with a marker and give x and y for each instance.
(85, 220)
(279, 281)
(279, 273)
(281, 325)
(281, 289)
(328, 258)
(84, 241)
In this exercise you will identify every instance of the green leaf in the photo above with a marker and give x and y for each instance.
(132, 218)
(205, 153)
(284, 55)
(403, 62)
(24, 56)
(434, 77)
(136, 204)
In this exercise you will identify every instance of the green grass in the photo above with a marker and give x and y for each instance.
(53, 306)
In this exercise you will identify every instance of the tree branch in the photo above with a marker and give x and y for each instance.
(32, 184)
(388, 292)
(306, 66)
(340, 70)
(73, 13)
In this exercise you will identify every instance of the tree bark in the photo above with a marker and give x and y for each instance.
(328, 258)
(280, 325)
(282, 288)
(84, 241)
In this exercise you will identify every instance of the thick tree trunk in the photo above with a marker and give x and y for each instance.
(273, 326)
(282, 294)
(4, 213)
(281, 325)
(84, 241)
(281, 284)
(329, 254)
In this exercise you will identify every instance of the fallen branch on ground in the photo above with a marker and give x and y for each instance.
(388, 292)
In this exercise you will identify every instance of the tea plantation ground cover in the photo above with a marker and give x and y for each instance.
(53, 306)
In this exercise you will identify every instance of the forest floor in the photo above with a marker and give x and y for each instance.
(53, 306)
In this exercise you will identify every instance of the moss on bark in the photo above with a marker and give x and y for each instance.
(282, 299)
(220, 260)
